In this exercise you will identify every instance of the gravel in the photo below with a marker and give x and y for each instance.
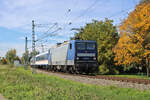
(102, 82)
(1, 97)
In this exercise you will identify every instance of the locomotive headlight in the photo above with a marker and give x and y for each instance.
(94, 58)
(77, 58)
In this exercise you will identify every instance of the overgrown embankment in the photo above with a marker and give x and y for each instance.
(20, 84)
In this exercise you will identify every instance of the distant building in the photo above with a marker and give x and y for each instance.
(17, 63)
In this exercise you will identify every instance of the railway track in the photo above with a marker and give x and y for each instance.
(121, 79)
(113, 78)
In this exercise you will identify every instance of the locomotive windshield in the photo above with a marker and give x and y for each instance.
(81, 46)
(87, 46)
(90, 46)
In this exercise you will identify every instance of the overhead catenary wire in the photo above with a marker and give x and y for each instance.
(65, 21)
(50, 28)
(82, 14)
(87, 9)
(122, 11)
(50, 34)
(45, 34)
(47, 27)
(116, 14)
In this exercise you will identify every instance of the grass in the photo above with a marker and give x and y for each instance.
(20, 84)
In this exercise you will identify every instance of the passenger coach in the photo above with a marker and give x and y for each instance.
(75, 56)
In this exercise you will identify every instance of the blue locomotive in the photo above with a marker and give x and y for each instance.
(74, 56)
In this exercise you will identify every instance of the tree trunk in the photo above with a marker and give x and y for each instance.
(147, 67)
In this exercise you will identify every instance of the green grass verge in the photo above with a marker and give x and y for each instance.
(20, 84)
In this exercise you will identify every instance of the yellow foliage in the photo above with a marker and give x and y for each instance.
(134, 43)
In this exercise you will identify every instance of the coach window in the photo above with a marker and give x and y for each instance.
(70, 46)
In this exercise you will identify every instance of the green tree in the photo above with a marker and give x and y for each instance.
(25, 58)
(106, 36)
(78, 34)
(17, 58)
(32, 54)
(11, 56)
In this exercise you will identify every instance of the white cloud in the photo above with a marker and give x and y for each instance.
(18, 14)
(7, 46)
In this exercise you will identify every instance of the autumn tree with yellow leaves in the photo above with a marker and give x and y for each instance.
(144, 1)
(134, 43)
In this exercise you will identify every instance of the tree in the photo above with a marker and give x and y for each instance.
(11, 56)
(106, 36)
(78, 35)
(32, 54)
(17, 58)
(134, 43)
(3, 61)
(144, 1)
(25, 58)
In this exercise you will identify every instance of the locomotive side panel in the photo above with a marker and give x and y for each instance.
(42, 59)
(59, 55)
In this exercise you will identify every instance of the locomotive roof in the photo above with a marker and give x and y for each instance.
(66, 42)
(42, 53)
(84, 41)
(61, 44)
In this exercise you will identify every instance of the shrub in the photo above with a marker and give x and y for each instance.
(3, 61)
(105, 70)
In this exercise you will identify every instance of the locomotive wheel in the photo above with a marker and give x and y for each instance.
(76, 70)
(65, 69)
(70, 69)
(54, 68)
(51, 68)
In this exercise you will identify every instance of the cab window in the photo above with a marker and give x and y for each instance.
(81, 46)
(91, 46)
(70, 46)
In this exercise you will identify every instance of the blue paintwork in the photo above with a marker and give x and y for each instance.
(71, 55)
(71, 52)
(87, 51)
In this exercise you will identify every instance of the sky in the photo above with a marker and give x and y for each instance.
(53, 17)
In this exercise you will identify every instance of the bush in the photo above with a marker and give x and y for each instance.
(105, 70)
(133, 68)
(3, 61)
